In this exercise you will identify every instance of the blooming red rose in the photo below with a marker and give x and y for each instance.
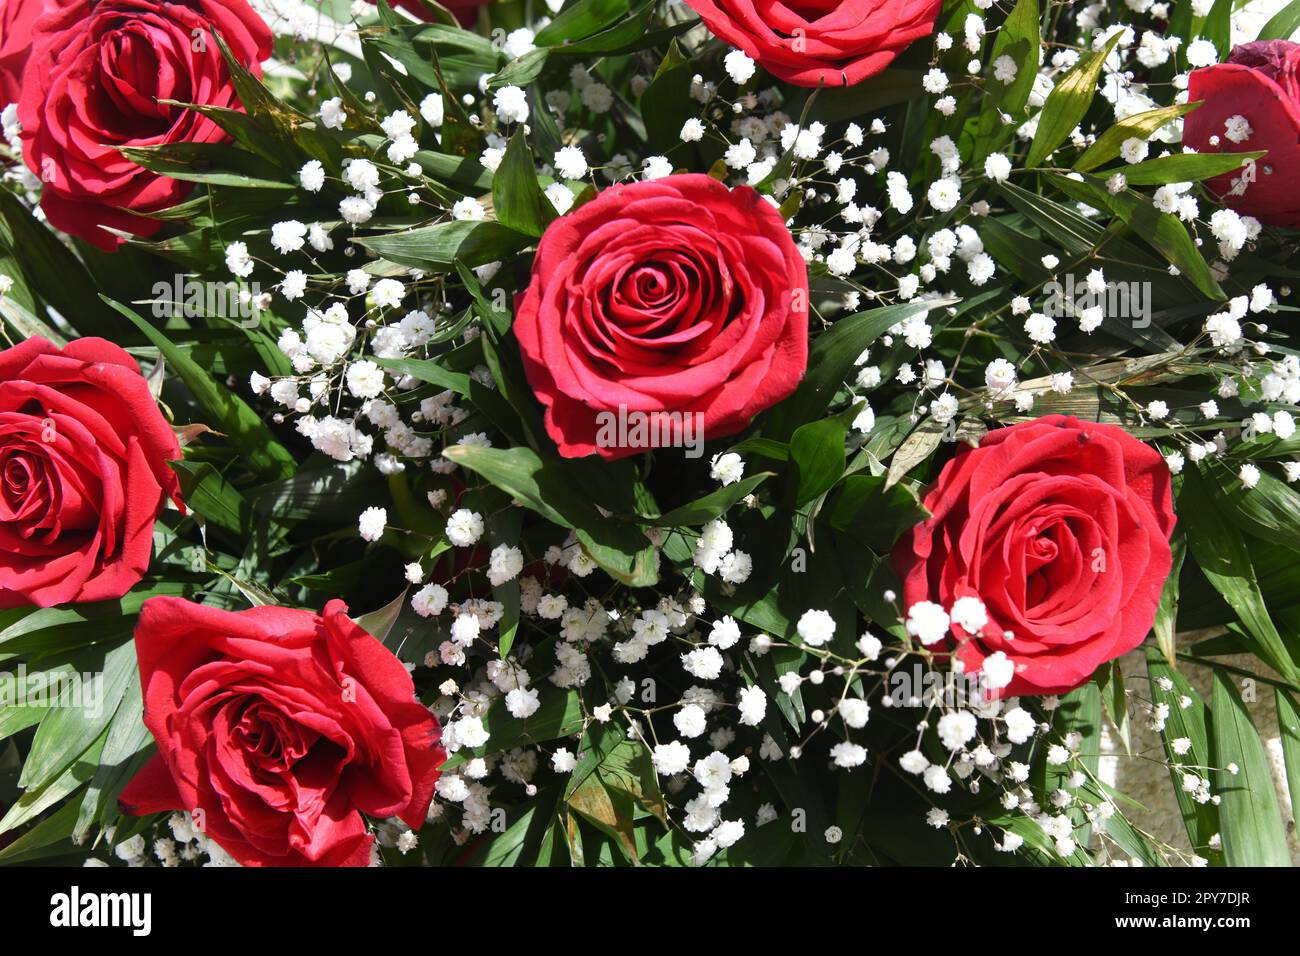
(83, 473)
(277, 728)
(677, 300)
(464, 9)
(810, 42)
(1248, 103)
(16, 19)
(98, 73)
(1061, 528)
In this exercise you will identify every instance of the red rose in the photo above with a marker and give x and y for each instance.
(98, 73)
(277, 728)
(677, 300)
(16, 19)
(464, 9)
(1061, 528)
(83, 452)
(810, 42)
(1260, 83)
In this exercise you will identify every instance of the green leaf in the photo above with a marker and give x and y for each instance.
(379, 622)
(14, 719)
(763, 448)
(22, 319)
(666, 103)
(1270, 510)
(460, 56)
(1020, 254)
(461, 171)
(37, 800)
(504, 528)
(580, 20)
(439, 247)
(1184, 723)
(522, 71)
(632, 34)
(817, 452)
(1164, 231)
(542, 485)
(94, 616)
(73, 725)
(1071, 231)
(710, 506)
(1110, 679)
(872, 513)
(613, 779)
(54, 271)
(524, 842)
(217, 164)
(1253, 833)
(1018, 39)
(1137, 126)
(427, 370)
(125, 750)
(206, 492)
(623, 763)
(830, 360)
(887, 88)
(1131, 841)
(610, 811)
(286, 125)
(1079, 713)
(1183, 167)
(1167, 610)
(1223, 557)
(518, 199)
(47, 838)
(1288, 722)
(1067, 104)
(322, 488)
(246, 131)
(1283, 24)
(245, 429)
(1217, 27)
(490, 402)
(916, 448)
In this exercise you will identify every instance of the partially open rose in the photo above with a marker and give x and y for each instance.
(98, 77)
(1061, 528)
(811, 42)
(677, 300)
(463, 9)
(83, 472)
(277, 729)
(16, 19)
(1252, 102)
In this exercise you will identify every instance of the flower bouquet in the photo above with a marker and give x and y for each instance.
(649, 432)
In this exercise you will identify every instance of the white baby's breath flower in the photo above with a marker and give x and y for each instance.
(738, 66)
(727, 468)
(816, 627)
(464, 527)
(372, 522)
(997, 167)
(312, 176)
(511, 104)
(927, 622)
